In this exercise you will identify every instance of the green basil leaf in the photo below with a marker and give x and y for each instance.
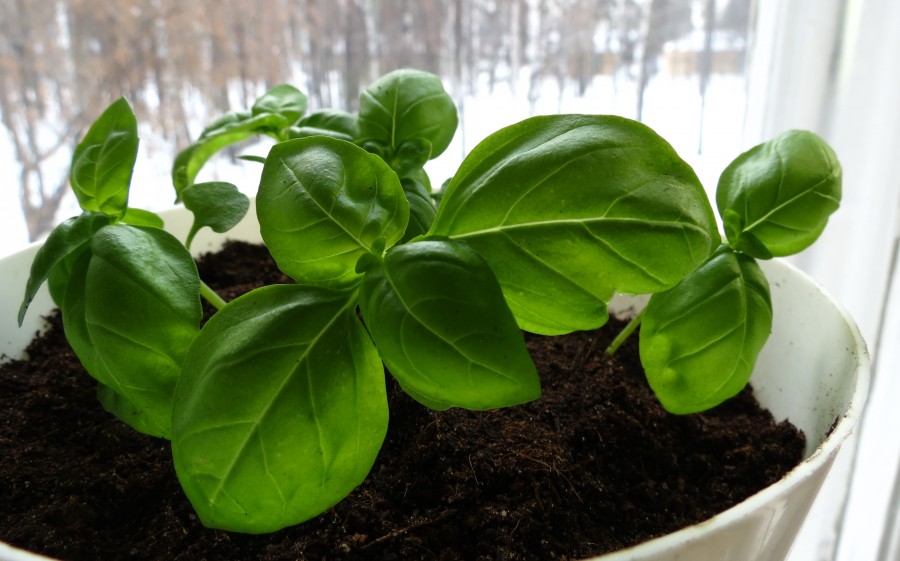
(225, 122)
(323, 203)
(280, 411)
(128, 412)
(568, 209)
(103, 162)
(63, 244)
(440, 323)
(61, 275)
(775, 199)
(216, 204)
(699, 340)
(283, 100)
(404, 114)
(327, 122)
(129, 271)
(253, 158)
(421, 209)
(229, 130)
(141, 217)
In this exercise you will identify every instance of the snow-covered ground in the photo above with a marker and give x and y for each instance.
(672, 107)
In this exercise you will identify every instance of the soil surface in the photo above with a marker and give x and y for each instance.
(592, 466)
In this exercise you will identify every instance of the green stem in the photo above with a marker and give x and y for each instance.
(625, 333)
(211, 296)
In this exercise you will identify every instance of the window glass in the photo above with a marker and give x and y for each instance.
(678, 65)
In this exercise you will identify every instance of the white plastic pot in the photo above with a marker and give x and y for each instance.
(813, 371)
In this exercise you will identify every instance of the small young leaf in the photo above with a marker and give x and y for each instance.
(699, 340)
(216, 204)
(281, 409)
(440, 323)
(568, 209)
(322, 203)
(104, 161)
(64, 243)
(141, 217)
(327, 122)
(283, 100)
(128, 272)
(229, 130)
(253, 158)
(407, 108)
(775, 199)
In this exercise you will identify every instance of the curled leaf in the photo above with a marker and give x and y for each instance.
(63, 245)
(128, 272)
(103, 162)
(407, 118)
(775, 199)
(323, 203)
(699, 340)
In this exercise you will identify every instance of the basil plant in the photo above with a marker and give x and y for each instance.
(276, 407)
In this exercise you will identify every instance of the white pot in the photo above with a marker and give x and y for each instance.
(814, 371)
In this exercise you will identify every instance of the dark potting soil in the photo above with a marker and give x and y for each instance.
(592, 466)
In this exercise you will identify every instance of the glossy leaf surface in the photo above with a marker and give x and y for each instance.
(406, 115)
(699, 341)
(280, 411)
(775, 199)
(568, 209)
(103, 162)
(63, 244)
(283, 100)
(440, 323)
(130, 312)
(323, 203)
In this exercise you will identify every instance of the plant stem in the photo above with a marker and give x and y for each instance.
(210, 295)
(625, 333)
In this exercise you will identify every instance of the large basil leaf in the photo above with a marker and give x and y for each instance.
(775, 199)
(323, 203)
(439, 321)
(407, 118)
(699, 341)
(280, 411)
(103, 162)
(128, 273)
(63, 244)
(568, 209)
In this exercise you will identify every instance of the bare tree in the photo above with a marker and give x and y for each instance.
(665, 20)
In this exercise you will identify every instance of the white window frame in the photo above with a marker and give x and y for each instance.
(833, 66)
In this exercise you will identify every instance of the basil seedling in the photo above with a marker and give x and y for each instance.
(276, 408)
